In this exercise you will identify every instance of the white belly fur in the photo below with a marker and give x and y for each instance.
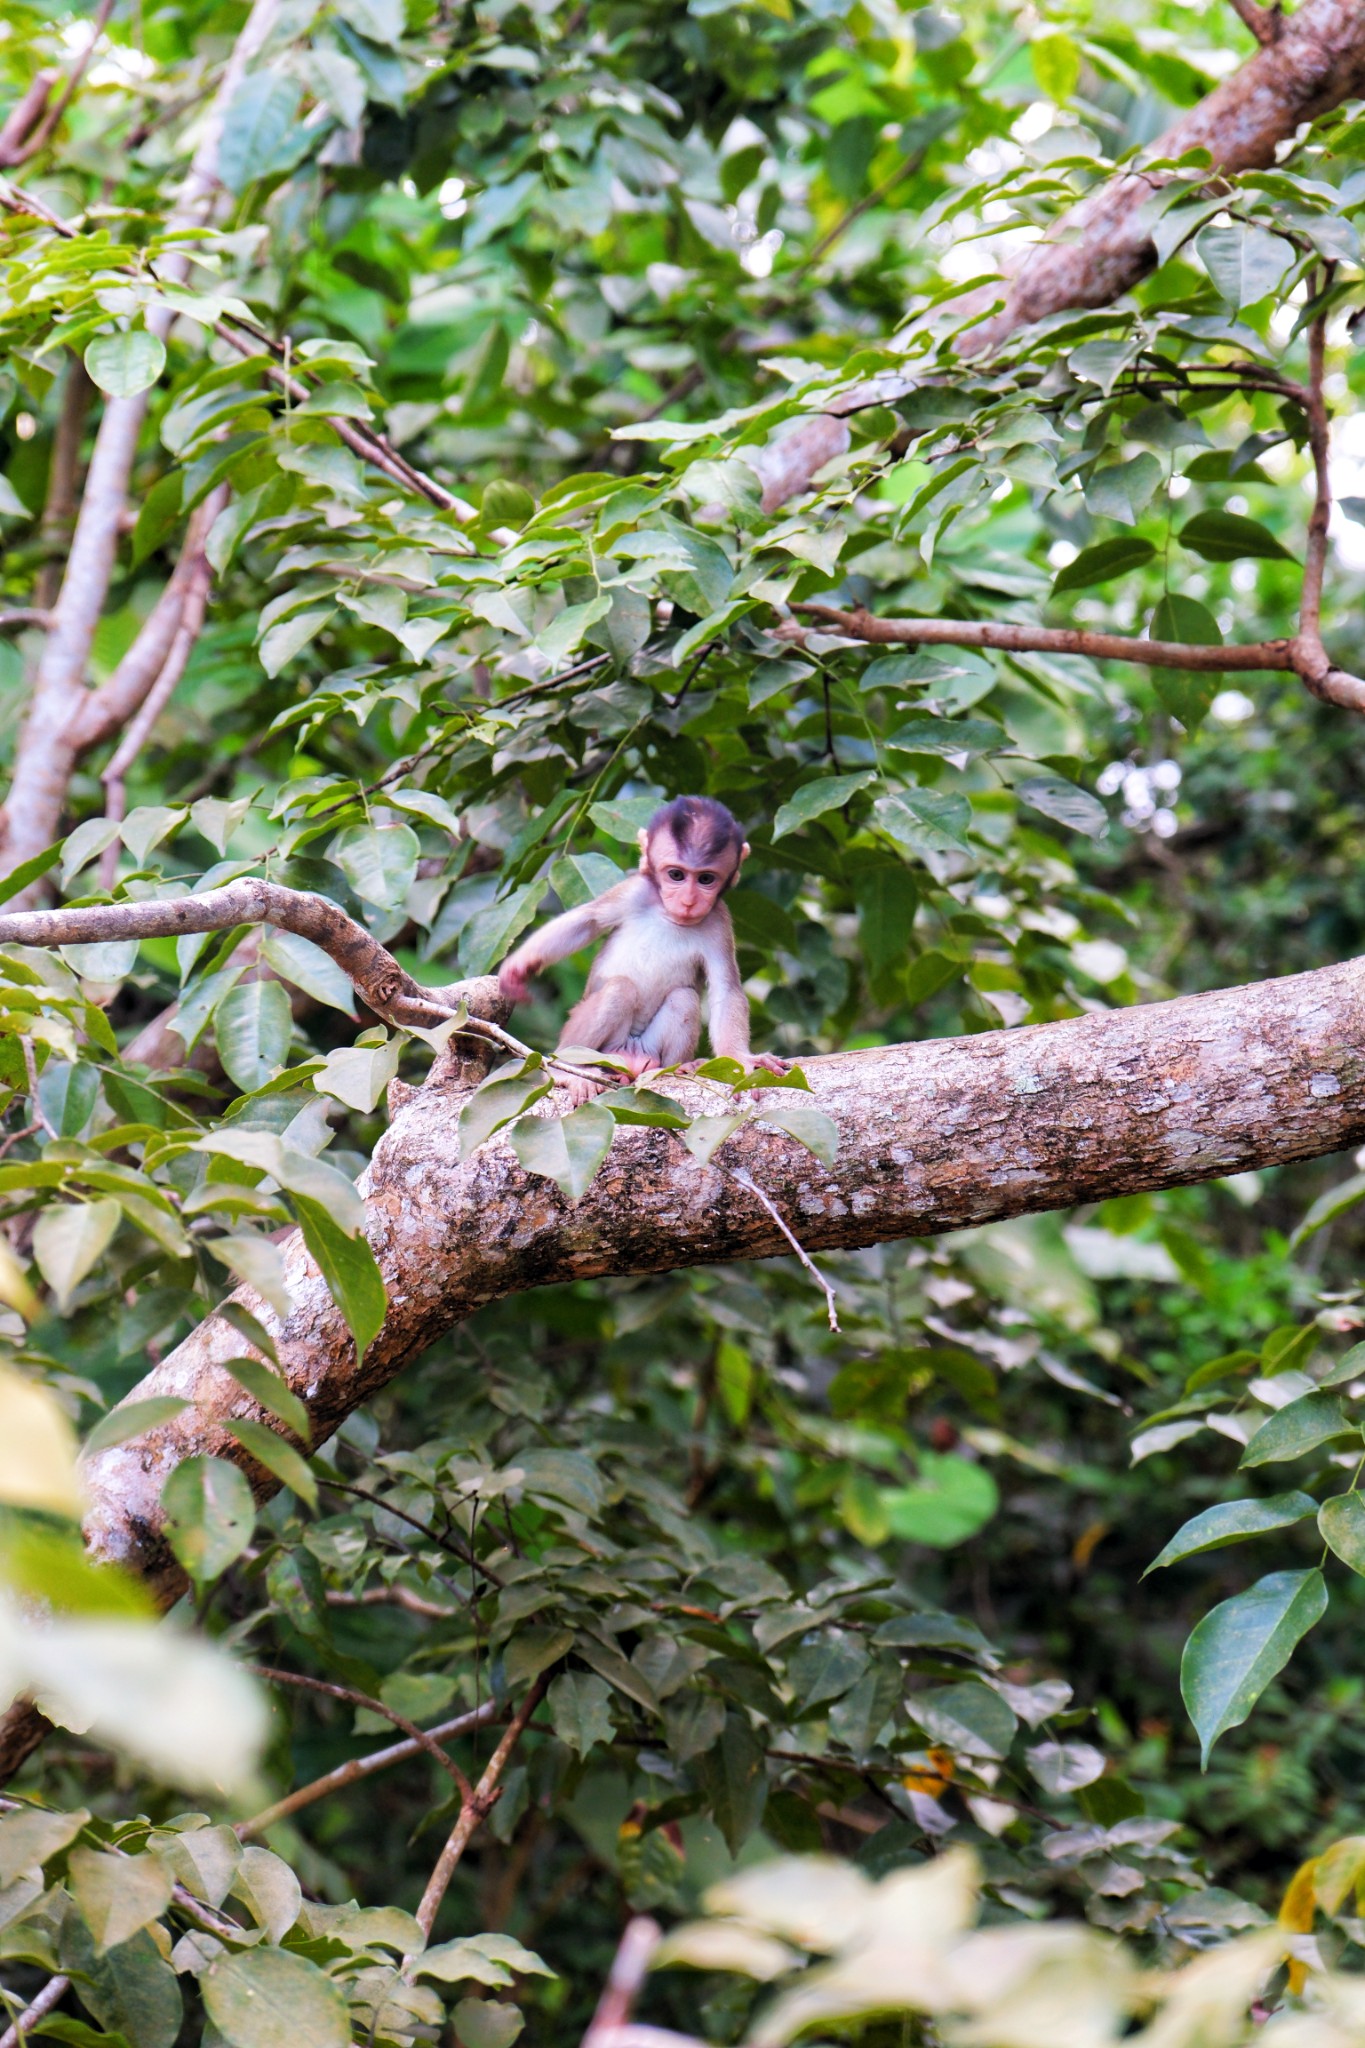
(656, 955)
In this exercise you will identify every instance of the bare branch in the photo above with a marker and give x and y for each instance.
(422, 1737)
(629, 1968)
(481, 1801)
(19, 151)
(24, 615)
(26, 112)
(1002, 638)
(51, 1995)
(47, 750)
(1265, 22)
(363, 1767)
(59, 506)
(388, 988)
(746, 1180)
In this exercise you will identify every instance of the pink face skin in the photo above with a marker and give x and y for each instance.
(688, 890)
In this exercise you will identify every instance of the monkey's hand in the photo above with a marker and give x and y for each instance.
(769, 1062)
(514, 979)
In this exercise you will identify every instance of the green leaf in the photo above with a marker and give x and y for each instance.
(887, 900)
(1234, 1652)
(31, 1835)
(1233, 1521)
(209, 1515)
(253, 1025)
(813, 799)
(492, 932)
(968, 1717)
(1229, 537)
(132, 1418)
(270, 1998)
(131, 1991)
(1124, 490)
(580, 1708)
(278, 1457)
(31, 870)
(494, 1103)
(281, 643)
(1328, 1207)
(1311, 1420)
(1062, 801)
(305, 965)
(567, 1150)
(486, 2023)
(1056, 61)
(1349, 1367)
(953, 1499)
(706, 1134)
(810, 1127)
(68, 1240)
(268, 1387)
(117, 1894)
(358, 1074)
(1342, 1523)
(1245, 262)
(1186, 694)
(125, 364)
(734, 1781)
(354, 1281)
(624, 817)
(948, 737)
(260, 120)
(379, 862)
(927, 821)
(1104, 561)
(1185, 620)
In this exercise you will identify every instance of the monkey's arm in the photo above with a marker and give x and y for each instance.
(565, 934)
(729, 1006)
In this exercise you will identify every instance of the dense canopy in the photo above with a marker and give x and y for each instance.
(433, 435)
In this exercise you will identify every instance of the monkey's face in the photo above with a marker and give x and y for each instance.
(689, 890)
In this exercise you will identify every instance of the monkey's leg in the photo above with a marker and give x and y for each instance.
(672, 1033)
(601, 1022)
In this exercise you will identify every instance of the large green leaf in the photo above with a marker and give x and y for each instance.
(253, 1025)
(813, 799)
(209, 1515)
(125, 364)
(1342, 1522)
(567, 1150)
(1301, 1426)
(259, 121)
(1246, 262)
(1231, 537)
(1234, 1652)
(348, 1266)
(270, 1998)
(1232, 1521)
(1104, 561)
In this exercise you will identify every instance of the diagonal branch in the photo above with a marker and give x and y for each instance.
(18, 148)
(473, 1809)
(364, 1767)
(46, 755)
(1103, 246)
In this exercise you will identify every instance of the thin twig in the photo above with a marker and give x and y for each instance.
(363, 1767)
(351, 1697)
(45, 127)
(1299, 656)
(24, 615)
(472, 1810)
(629, 1968)
(745, 1179)
(52, 1994)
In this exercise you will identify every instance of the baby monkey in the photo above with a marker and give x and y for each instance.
(667, 930)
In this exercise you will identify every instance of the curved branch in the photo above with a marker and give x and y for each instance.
(373, 972)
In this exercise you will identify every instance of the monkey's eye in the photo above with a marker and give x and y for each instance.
(676, 874)
(706, 880)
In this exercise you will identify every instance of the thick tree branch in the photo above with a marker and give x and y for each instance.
(17, 149)
(47, 751)
(1103, 247)
(933, 1137)
(59, 505)
(24, 116)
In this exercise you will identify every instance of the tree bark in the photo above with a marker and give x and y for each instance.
(933, 1136)
(1103, 247)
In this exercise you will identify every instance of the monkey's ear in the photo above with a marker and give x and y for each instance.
(744, 852)
(642, 841)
